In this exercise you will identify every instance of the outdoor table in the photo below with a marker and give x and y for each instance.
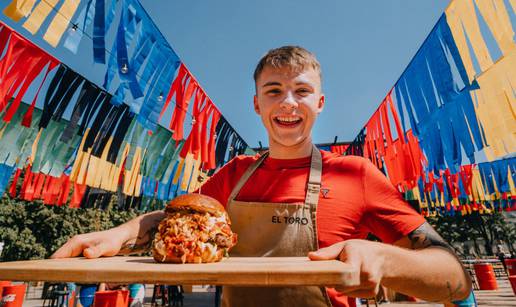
(242, 271)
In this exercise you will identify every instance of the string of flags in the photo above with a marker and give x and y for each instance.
(88, 142)
(453, 107)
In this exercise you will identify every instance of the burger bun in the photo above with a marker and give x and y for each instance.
(196, 202)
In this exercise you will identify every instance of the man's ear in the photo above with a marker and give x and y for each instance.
(320, 105)
(256, 106)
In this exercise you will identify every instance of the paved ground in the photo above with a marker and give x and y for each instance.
(503, 297)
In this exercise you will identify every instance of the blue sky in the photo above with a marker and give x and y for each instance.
(363, 47)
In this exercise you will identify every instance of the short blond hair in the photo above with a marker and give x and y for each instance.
(294, 57)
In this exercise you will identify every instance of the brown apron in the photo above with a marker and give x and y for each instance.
(276, 230)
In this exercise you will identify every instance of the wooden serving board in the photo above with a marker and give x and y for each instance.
(246, 271)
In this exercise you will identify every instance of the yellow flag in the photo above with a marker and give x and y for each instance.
(463, 22)
(189, 163)
(105, 166)
(38, 16)
(135, 170)
(138, 186)
(2, 130)
(495, 106)
(513, 4)
(92, 172)
(478, 190)
(60, 22)
(35, 146)
(119, 169)
(130, 176)
(497, 18)
(194, 181)
(78, 159)
(83, 171)
(18, 9)
(511, 183)
(178, 171)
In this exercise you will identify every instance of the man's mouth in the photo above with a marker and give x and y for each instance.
(287, 121)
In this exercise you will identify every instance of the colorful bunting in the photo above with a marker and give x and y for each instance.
(103, 147)
(453, 106)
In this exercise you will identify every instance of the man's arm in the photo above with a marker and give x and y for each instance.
(430, 272)
(140, 233)
(132, 237)
(439, 274)
(424, 236)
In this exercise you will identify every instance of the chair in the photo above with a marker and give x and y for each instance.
(218, 293)
(57, 295)
(367, 300)
(499, 270)
(171, 296)
(472, 276)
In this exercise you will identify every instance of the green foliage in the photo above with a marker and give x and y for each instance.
(31, 230)
(485, 229)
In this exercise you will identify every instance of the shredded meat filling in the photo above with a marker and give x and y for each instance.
(194, 235)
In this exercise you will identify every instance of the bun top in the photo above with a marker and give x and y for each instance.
(197, 202)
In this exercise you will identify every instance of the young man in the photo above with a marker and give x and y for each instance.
(296, 200)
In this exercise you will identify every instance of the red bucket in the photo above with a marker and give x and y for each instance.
(485, 276)
(118, 298)
(511, 266)
(13, 295)
(512, 279)
(3, 283)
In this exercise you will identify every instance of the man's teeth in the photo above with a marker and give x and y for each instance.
(288, 119)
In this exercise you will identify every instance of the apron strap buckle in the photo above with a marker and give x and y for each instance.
(313, 188)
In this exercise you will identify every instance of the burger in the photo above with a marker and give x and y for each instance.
(195, 230)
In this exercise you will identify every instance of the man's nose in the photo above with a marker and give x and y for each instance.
(289, 101)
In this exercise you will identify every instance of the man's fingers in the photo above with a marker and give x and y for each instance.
(327, 253)
(62, 252)
(362, 292)
(72, 248)
(92, 252)
(367, 289)
(99, 250)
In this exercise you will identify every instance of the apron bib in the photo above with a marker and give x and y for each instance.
(276, 230)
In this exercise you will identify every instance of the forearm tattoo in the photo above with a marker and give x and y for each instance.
(452, 294)
(425, 236)
(138, 245)
(143, 242)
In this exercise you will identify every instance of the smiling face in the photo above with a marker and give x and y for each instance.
(288, 102)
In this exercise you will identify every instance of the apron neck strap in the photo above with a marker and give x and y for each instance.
(314, 179)
(313, 186)
(250, 170)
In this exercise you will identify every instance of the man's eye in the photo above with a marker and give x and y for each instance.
(274, 91)
(303, 91)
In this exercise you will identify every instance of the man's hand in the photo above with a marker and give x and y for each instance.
(92, 245)
(366, 256)
(133, 237)
(421, 265)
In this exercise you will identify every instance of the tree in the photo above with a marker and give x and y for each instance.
(484, 229)
(31, 230)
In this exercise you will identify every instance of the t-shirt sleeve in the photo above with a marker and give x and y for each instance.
(386, 214)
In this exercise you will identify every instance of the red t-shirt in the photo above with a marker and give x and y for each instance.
(359, 198)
